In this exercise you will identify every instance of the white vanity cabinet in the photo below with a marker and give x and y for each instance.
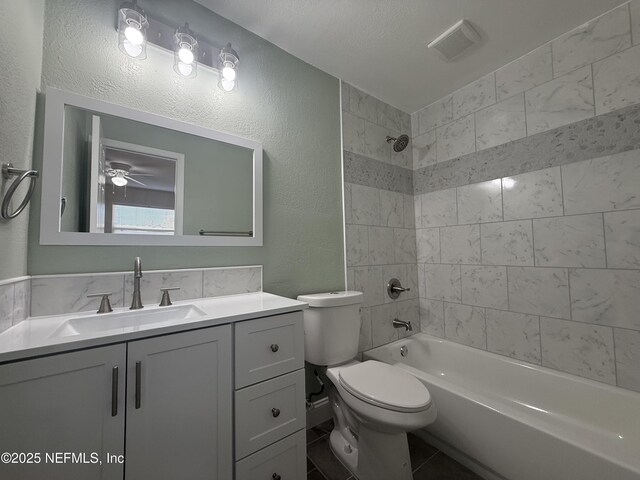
(176, 409)
(168, 404)
(69, 403)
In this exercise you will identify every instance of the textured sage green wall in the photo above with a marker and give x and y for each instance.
(288, 105)
(20, 61)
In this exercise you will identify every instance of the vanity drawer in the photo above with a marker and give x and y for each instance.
(269, 411)
(268, 347)
(285, 459)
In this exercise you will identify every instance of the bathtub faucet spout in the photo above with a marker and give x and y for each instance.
(402, 324)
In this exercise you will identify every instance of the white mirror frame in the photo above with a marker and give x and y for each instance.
(50, 233)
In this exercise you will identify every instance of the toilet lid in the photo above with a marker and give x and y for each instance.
(385, 386)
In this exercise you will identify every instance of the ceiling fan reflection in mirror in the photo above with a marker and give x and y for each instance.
(121, 174)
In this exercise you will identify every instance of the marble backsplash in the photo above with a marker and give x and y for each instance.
(15, 297)
(56, 294)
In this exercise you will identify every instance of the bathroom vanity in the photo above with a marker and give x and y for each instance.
(210, 388)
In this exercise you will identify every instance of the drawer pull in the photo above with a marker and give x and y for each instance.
(138, 395)
(275, 412)
(275, 476)
(114, 391)
(274, 347)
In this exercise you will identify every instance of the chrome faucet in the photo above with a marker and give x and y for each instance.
(402, 324)
(136, 303)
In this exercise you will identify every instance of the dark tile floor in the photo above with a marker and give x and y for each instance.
(428, 462)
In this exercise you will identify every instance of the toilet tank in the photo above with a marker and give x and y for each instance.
(331, 327)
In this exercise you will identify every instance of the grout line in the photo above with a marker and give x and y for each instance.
(553, 73)
(593, 88)
(604, 239)
(533, 244)
(631, 32)
(540, 337)
(502, 265)
(426, 460)
(570, 296)
(615, 358)
(511, 220)
(508, 296)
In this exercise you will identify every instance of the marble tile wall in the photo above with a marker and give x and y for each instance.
(588, 71)
(543, 267)
(525, 197)
(57, 294)
(379, 215)
(15, 301)
(380, 245)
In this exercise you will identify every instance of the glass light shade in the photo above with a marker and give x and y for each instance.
(119, 180)
(228, 61)
(185, 52)
(227, 85)
(229, 73)
(132, 31)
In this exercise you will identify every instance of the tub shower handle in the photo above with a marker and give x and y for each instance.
(395, 288)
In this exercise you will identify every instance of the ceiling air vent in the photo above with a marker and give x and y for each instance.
(455, 40)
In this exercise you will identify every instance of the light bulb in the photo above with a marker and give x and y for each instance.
(229, 73)
(133, 35)
(227, 85)
(186, 56)
(119, 180)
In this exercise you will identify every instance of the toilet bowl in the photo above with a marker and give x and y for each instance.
(374, 404)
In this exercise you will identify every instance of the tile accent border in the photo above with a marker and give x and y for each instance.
(595, 137)
(59, 294)
(373, 173)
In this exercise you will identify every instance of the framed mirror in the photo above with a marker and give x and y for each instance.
(116, 176)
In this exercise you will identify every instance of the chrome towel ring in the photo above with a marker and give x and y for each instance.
(7, 172)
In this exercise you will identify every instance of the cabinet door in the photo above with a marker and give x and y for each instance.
(64, 403)
(179, 410)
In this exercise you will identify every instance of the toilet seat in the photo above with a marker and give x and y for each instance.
(385, 386)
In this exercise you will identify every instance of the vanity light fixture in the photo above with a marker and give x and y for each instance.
(136, 28)
(185, 52)
(132, 30)
(228, 65)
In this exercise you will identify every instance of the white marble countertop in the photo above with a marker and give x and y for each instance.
(38, 336)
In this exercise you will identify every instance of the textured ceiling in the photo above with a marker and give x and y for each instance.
(380, 46)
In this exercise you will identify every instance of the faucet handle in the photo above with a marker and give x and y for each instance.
(166, 299)
(105, 304)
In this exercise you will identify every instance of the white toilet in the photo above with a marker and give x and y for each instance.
(374, 404)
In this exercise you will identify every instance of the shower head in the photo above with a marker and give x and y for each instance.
(400, 143)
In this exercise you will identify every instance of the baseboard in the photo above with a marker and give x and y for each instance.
(318, 412)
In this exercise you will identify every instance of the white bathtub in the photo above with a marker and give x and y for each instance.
(519, 421)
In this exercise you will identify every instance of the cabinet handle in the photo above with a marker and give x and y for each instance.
(275, 412)
(275, 476)
(274, 347)
(114, 391)
(138, 383)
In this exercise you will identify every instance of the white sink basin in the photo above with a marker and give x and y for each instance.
(130, 320)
